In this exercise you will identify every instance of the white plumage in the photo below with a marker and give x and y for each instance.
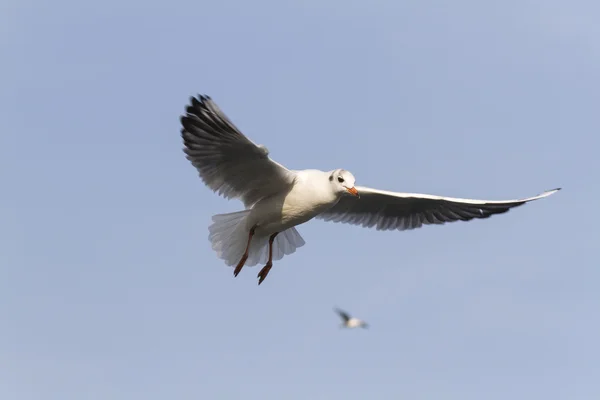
(277, 199)
(349, 321)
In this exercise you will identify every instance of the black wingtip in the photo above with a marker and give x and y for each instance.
(195, 102)
(196, 105)
(551, 191)
(198, 101)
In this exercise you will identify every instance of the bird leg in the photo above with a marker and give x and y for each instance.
(245, 256)
(265, 270)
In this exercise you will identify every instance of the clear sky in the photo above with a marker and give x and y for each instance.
(109, 288)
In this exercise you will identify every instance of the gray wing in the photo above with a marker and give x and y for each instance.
(342, 314)
(402, 211)
(228, 162)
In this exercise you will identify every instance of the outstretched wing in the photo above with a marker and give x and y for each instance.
(342, 314)
(401, 211)
(228, 162)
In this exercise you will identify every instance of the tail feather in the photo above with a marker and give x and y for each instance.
(228, 235)
(286, 243)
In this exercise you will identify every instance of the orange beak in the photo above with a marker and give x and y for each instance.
(353, 191)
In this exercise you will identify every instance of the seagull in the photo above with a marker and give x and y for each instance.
(350, 322)
(277, 199)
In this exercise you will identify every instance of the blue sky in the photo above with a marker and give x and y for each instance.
(110, 289)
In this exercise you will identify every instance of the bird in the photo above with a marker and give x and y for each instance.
(277, 199)
(350, 322)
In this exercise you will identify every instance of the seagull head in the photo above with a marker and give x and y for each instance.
(343, 182)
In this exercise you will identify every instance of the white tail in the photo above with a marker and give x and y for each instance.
(229, 236)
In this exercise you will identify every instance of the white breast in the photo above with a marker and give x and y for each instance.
(353, 323)
(311, 195)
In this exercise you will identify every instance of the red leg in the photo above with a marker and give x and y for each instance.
(265, 271)
(245, 256)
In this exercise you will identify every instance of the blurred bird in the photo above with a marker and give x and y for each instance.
(350, 322)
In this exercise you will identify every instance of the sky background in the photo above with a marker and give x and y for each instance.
(109, 288)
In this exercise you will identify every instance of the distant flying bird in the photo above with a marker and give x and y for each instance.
(277, 199)
(350, 322)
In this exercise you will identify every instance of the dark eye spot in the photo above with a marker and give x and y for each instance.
(330, 177)
(340, 179)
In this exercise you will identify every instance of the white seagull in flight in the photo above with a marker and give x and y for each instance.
(350, 322)
(277, 199)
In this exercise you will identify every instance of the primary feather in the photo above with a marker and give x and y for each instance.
(227, 161)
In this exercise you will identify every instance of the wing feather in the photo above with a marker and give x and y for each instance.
(228, 162)
(403, 211)
(344, 315)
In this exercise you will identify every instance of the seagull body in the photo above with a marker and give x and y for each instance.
(350, 322)
(285, 210)
(277, 199)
